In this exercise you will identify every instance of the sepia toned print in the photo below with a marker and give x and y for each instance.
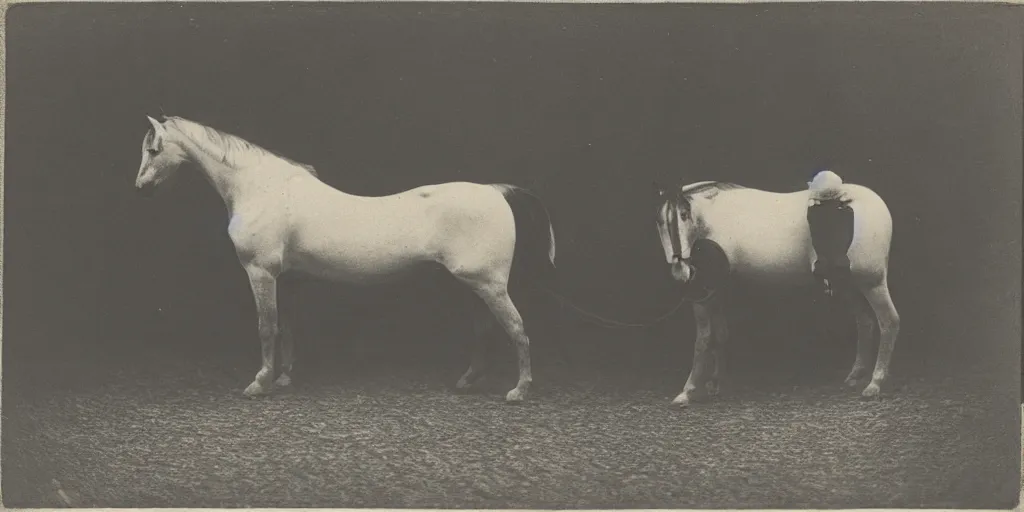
(406, 255)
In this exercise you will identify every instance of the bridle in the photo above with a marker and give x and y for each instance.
(704, 289)
(673, 235)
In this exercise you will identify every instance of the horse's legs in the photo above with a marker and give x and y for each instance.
(264, 289)
(483, 325)
(692, 390)
(889, 327)
(495, 295)
(287, 352)
(720, 334)
(288, 309)
(865, 319)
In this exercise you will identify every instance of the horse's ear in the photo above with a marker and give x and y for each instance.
(658, 189)
(158, 128)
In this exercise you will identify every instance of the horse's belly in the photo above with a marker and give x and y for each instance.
(347, 269)
(356, 259)
(785, 267)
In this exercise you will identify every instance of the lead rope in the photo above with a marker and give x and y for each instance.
(614, 324)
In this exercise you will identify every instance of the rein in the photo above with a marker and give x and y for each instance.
(607, 323)
(689, 261)
(702, 286)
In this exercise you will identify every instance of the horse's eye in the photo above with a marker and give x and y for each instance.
(152, 151)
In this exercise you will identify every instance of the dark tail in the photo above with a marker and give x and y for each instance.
(535, 236)
(533, 263)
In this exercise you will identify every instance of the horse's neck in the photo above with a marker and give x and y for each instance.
(223, 177)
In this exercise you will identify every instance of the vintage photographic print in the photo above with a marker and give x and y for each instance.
(488, 255)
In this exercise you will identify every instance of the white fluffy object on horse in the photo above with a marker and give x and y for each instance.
(824, 186)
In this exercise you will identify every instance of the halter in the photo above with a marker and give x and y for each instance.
(705, 277)
(673, 235)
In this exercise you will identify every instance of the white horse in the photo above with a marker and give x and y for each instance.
(283, 218)
(766, 239)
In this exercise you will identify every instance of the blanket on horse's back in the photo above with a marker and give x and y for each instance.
(830, 220)
(831, 223)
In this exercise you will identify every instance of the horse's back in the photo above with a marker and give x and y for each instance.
(766, 235)
(347, 237)
(762, 233)
(455, 196)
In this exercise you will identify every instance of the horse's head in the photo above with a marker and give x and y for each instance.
(677, 228)
(161, 157)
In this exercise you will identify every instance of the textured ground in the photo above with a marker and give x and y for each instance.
(180, 434)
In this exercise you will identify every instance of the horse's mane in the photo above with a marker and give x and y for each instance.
(707, 189)
(237, 151)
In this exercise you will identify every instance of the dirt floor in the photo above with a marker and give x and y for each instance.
(173, 433)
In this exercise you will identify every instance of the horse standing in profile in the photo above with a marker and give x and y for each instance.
(764, 237)
(282, 218)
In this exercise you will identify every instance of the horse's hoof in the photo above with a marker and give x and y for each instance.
(465, 383)
(283, 380)
(856, 376)
(515, 396)
(255, 390)
(682, 401)
(871, 392)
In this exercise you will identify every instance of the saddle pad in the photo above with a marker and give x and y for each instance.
(831, 225)
(711, 270)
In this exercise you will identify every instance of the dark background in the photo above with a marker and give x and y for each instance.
(583, 104)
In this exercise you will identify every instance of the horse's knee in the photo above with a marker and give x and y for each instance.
(521, 339)
(703, 339)
(268, 331)
(864, 319)
(893, 317)
(720, 329)
(888, 317)
(703, 322)
(517, 331)
(863, 278)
